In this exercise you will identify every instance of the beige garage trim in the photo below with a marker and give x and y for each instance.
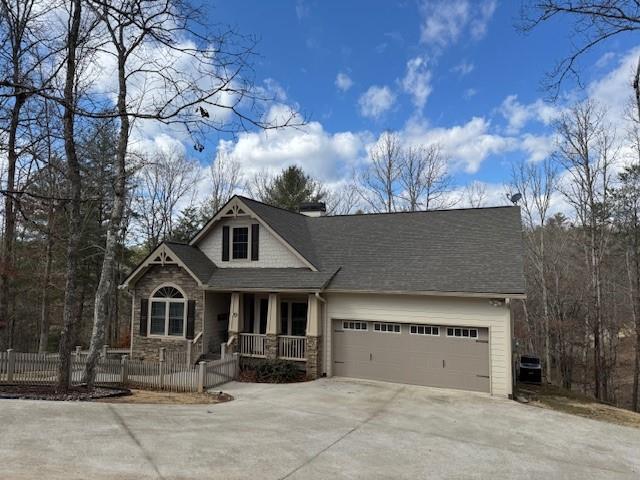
(444, 311)
(403, 357)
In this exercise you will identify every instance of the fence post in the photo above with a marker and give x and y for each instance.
(201, 366)
(104, 351)
(189, 347)
(124, 370)
(223, 351)
(77, 352)
(11, 364)
(161, 354)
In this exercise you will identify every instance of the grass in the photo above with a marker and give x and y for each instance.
(557, 398)
(170, 398)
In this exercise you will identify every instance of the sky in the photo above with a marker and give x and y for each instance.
(457, 73)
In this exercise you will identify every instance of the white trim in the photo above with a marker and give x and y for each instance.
(387, 325)
(433, 293)
(167, 301)
(150, 261)
(235, 200)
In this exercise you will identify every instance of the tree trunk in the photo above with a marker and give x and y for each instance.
(105, 285)
(44, 309)
(73, 174)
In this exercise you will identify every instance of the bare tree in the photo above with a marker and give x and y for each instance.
(475, 194)
(424, 178)
(378, 183)
(226, 180)
(22, 26)
(165, 180)
(586, 150)
(594, 22)
(537, 183)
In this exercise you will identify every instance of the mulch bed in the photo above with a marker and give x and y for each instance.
(48, 392)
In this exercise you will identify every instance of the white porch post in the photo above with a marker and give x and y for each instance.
(273, 315)
(313, 316)
(273, 326)
(312, 341)
(234, 314)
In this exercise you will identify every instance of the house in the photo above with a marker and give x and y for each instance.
(420, 298)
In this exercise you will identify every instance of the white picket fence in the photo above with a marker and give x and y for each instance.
(42, 369)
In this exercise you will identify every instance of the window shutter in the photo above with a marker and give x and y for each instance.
(225, 243)
(255, 240)
(191, 319)
(144, 313)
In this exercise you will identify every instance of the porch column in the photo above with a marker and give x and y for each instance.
(312, 341)
(234, 314)
(273, 326)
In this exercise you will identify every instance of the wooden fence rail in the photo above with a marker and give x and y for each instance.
(42, 369)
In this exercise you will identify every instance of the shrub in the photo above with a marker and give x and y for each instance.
(277, 371)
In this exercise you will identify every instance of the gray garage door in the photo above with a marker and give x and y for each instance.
(437, 356)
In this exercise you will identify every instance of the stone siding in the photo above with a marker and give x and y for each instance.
(313, 357)
(149, 347)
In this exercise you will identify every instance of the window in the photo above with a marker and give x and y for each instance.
(424, 330)
(386, 327)
(354, 325)
(293, 318)
(167, 312)
(240, 244)
(460, 332)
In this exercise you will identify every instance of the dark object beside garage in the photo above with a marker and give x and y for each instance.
(530, 369)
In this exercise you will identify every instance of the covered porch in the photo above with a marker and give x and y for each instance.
(274, 325)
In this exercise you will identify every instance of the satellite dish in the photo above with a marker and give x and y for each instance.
(515, 198)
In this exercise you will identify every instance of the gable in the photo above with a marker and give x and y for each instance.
(173, 254)
(273, 252)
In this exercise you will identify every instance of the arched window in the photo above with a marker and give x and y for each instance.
(167, 311)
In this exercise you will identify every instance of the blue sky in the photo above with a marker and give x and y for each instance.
(453, 72)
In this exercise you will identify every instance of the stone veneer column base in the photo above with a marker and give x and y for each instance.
(312, 348)
(271, 346)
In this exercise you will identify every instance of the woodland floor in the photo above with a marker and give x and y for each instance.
(556, 398)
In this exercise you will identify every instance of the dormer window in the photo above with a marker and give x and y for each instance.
(240, 244)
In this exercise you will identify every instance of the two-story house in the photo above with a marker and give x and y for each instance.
(420, 298)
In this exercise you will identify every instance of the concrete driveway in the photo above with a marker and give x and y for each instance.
(329, 428)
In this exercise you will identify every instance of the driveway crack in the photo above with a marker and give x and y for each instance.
(373, 415)
(133, 437)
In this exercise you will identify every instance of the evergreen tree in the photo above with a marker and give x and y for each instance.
(291, 188)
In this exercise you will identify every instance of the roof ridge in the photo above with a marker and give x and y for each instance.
(271, 206)
(443, 210)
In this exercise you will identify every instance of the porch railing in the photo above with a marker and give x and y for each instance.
(291, 348)
(252, 344)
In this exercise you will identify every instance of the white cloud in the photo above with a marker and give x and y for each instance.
(538, 147)
(614, 90)
(463, 68)
(467, 145)
(518, 114)
(325, 156)
(445, 21)
(343, 82)
(376, 101)
(470, 92)
(417, 81)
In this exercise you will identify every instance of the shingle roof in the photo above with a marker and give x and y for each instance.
(466, 250)
(267, 278)
(196, 261)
